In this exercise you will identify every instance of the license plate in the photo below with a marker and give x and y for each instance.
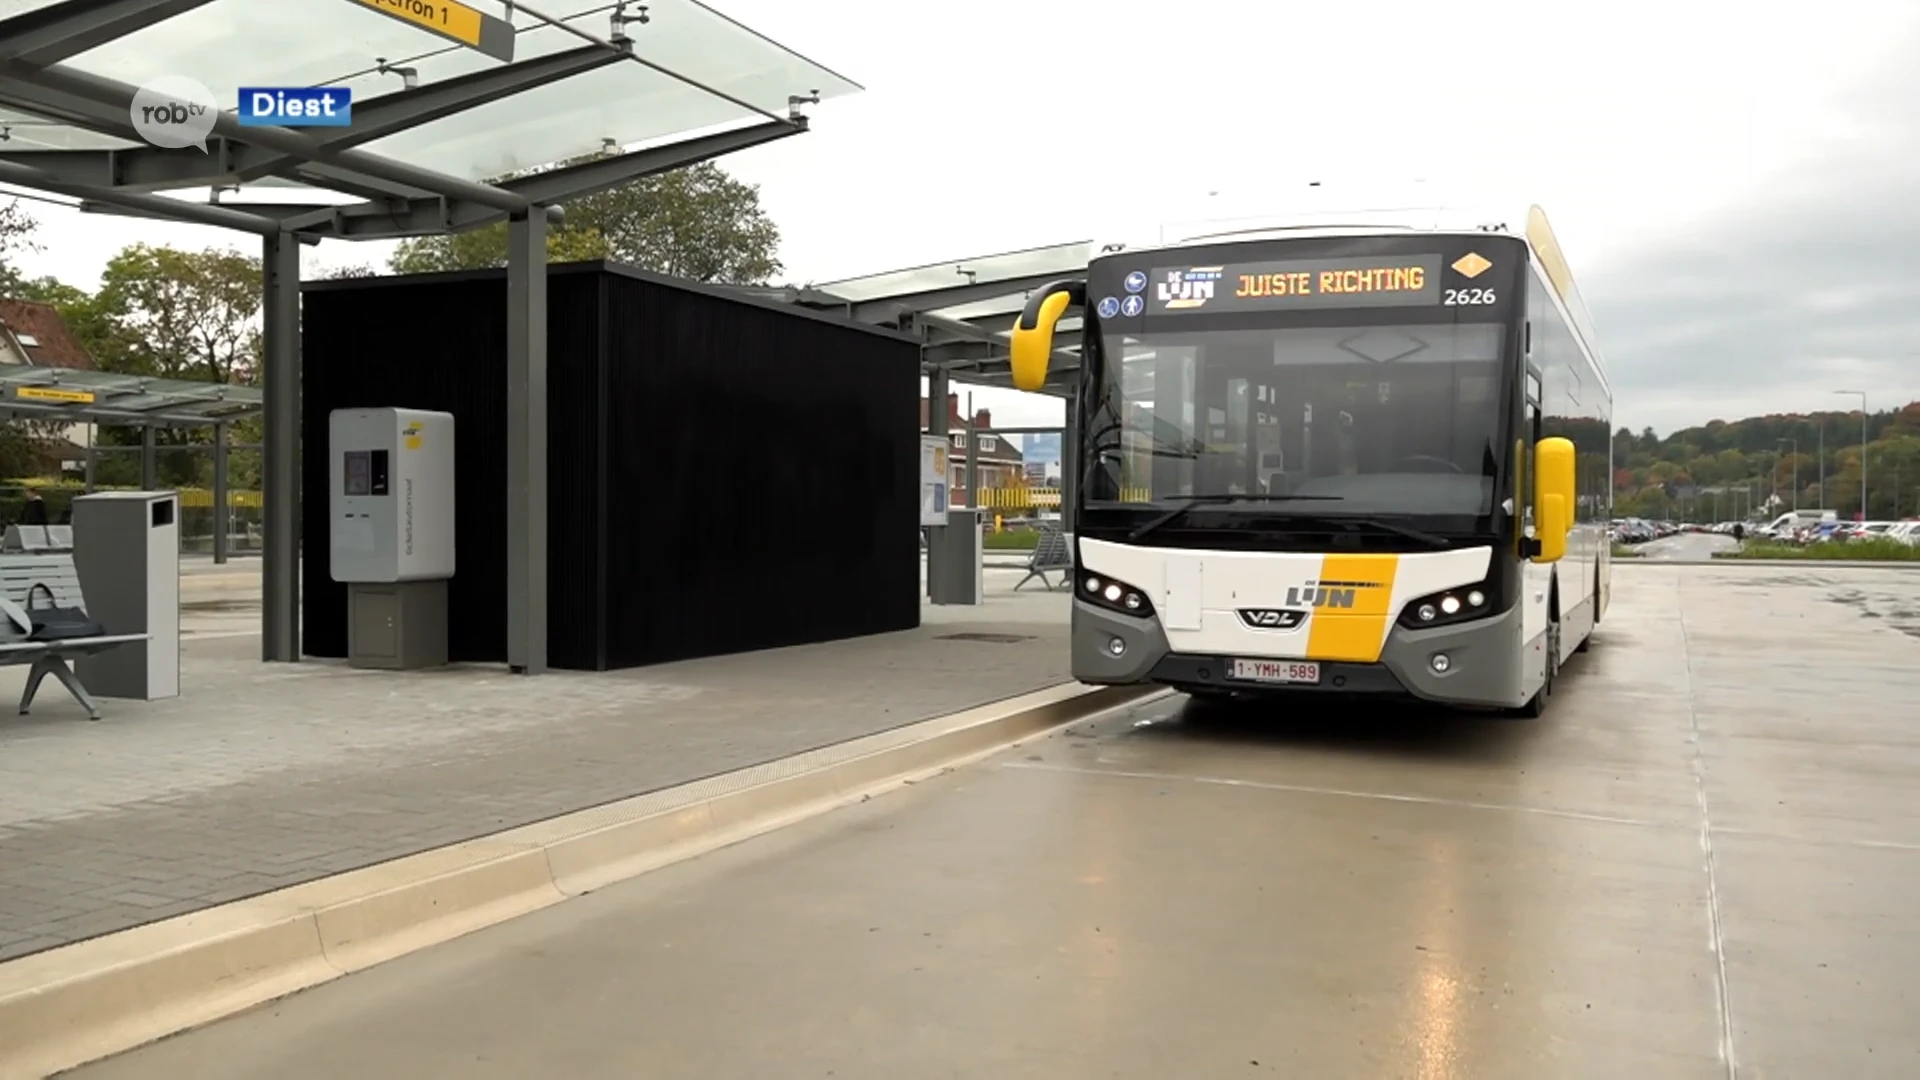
(1276, 671)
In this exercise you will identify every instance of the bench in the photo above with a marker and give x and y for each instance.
(18, 576)
(1052, 554)
(37, 539)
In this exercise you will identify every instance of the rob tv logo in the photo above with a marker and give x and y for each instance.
(296, 106)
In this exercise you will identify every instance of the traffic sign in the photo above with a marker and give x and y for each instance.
(452, 20)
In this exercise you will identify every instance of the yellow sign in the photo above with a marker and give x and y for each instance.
(456, 21)
(1471, 265)
(412, 435)
(53, 393)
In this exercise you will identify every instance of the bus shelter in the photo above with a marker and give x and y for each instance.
(447, 99)
(68, 397)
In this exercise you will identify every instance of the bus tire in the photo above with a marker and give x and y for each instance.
(1536, 707)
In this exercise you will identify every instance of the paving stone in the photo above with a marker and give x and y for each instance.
(262, 776)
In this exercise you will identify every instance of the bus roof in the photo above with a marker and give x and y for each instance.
(1528, 223)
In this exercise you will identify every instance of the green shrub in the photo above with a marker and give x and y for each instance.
(1843, 551)
(1625, 551)
(1011, 539)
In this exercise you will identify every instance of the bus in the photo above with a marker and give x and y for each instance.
(1366, 457)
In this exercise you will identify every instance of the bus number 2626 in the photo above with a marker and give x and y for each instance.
(1461, 297)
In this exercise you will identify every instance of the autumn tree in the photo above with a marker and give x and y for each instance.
(696, 223)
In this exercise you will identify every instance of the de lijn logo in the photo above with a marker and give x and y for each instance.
(296, 106)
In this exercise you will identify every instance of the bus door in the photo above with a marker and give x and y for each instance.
(1531, 431)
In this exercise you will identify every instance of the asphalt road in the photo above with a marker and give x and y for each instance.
(1701, 864)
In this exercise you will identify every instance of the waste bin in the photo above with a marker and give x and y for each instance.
(955, 577)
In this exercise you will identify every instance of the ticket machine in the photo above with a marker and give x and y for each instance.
(391, 535)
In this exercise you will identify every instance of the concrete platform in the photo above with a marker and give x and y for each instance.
(266, 776)
(1702, 863)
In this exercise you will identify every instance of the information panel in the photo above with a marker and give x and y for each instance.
(934, 474)
(1388, 281)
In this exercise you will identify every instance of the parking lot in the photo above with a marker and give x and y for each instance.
(1701, 863)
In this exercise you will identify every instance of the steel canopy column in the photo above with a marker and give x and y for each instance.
(149, 466)
(937, 425)
(1070, 463)
(527, 443)
(280, 476)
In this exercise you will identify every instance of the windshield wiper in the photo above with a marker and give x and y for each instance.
(1427, 538)
(1218, 500)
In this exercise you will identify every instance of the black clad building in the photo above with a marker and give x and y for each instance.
(725, 474)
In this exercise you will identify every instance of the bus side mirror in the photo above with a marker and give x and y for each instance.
(1031, 348)
(1553, 497)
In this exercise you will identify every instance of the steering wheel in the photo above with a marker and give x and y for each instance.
(1450, 466)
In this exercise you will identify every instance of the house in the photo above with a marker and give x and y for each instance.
(1001, 463)
(33, 334)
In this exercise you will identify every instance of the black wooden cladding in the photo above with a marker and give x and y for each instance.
(724, 474)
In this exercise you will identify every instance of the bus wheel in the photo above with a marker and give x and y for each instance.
(1536, 707)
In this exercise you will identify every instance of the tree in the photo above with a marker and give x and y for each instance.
(17, 229)
(171, 314)
(351, 270)
(696, 222)
(184, 314)
(1728, 457)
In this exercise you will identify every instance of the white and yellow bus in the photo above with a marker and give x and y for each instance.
(1367, 458)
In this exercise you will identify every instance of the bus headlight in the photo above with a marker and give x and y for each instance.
(1446, 608)
(1117, 596)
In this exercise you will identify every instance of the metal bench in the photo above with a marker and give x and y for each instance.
(1052, 554)
(37, 539)
(18, 576)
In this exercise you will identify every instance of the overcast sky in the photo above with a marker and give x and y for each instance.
(1734, 183)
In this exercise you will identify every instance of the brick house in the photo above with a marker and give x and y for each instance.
(33, 334)
(1001, 463)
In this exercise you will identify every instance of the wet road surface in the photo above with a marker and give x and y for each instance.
(1702, 863)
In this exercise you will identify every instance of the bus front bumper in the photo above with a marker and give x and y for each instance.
(1483, 663)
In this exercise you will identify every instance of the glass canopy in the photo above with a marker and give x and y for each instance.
(227, 44)
(97, 396)
(1056, 259)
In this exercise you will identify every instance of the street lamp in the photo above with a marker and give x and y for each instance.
(1795, 473)
(1862, 395)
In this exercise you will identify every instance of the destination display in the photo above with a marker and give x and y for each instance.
(1391, 281)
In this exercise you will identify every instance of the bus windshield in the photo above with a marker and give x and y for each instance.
(1380, 419)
